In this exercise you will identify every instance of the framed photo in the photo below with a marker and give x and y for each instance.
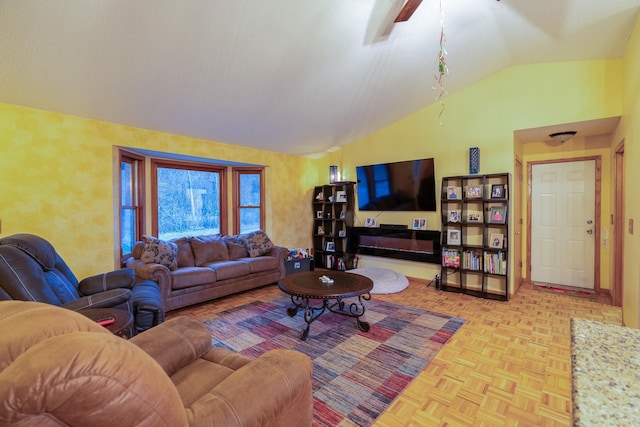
(419, 224)
(371, 221)
(454, 216)
(319, 214)
(453, 237)
(497, 191)
(343, 214)
(496, 241)
(498, 215)
(453, 193)
(474, 216)
(320, 230)
(341, 196)
(330, 247)
(342, 233)
(474, 192)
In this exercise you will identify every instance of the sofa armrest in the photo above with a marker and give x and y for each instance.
(123, 278)
(175, 343)
(155, 272)
(281, 253)
(284, 378)
(106, 299)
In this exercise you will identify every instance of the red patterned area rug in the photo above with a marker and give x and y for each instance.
(356, 374)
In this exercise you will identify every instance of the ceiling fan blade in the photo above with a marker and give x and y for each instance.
(407, 10)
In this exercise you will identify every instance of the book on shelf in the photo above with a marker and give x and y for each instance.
(450, 258)
(329, 260)
(471, 260)
(495, 263)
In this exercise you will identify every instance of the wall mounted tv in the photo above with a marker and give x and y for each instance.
(400, 186)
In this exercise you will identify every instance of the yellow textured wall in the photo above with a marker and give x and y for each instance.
(629, 132)
(485, 115)
(56, 180)
(56, 171)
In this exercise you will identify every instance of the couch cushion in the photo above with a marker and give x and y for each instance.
(187, 277)
(185, 254)
(230, 269)
(208, 249)
(257, 243)
(262, 263)
(236, 248)
(159, 252)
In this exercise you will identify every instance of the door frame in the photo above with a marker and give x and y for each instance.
(517, 223)
(597, 213)
(618, 227)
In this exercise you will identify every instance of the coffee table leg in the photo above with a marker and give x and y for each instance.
(356, 309)
(358, 312)
(298, 302)
(310, 313)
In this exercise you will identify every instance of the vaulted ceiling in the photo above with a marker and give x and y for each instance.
(291, 76)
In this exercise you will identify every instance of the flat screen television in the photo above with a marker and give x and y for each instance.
(399, 186)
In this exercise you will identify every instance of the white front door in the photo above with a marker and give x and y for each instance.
(563, 223)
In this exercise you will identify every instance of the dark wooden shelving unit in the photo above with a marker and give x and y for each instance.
(333, 208)
(475, 230)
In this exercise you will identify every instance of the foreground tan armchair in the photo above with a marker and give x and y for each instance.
(57, 367)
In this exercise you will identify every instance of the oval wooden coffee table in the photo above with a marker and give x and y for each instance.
(307, 286)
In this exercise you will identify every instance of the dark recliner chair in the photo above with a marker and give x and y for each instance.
(32, 270)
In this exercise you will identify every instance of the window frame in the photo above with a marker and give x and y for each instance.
(200, 167)
(237, 173)
(139, 194)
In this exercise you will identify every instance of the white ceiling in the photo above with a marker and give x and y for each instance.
(291, 76)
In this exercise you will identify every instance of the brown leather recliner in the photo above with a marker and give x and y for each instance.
(58, 368)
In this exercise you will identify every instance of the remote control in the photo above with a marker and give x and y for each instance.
(106, 321)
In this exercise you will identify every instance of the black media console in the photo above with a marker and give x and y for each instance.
(392, 242)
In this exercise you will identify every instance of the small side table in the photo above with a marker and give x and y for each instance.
(123, 320)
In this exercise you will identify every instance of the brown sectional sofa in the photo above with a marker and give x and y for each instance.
(207, 267)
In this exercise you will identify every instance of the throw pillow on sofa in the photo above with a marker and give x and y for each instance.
(236, 248)
(257, 243)
(209, 249)
(159, 252)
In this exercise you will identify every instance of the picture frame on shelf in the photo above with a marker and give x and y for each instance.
(319, 214)
(343, 214)
(419, 224)
(371, 221)
(453, 237)
(497, 191)
(474, 192)
(342, 233)
(498, 215)
(474, 217)
(453, 193)
(330, 247)
(496, 241)
(341, 196)
(454, 216)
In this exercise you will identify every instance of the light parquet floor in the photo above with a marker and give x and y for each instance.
(508, 365)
